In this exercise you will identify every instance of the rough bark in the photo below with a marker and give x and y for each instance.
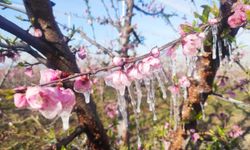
(201, 84)
(54, 47)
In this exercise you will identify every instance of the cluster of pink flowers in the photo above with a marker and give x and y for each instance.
(111, 110)
(235, 132)
(239, 17)
(49, 101)
(121, 78)
(191, 43)
(194, 135)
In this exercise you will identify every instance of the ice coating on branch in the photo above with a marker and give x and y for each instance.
(49, 101)
(239, 18)
(82, 53)
(161, 85)
(191, 43)
(48, 75)
(139, 95)
(83, 85)
(118, 80)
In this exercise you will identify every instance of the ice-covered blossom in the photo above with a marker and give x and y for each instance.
(118, 80)
(134, 73)
(111, 110)
(148, 65)
(28, 71)
(82, 84)
(48, 75)
(239, 17)
(49, 101)
(37, 32)
(191, 43)
(184, 82)
(174, 89)
(235, 132)
(118, 61)
(82, 53)
(195, 137)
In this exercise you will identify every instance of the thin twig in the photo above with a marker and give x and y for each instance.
(231, 100)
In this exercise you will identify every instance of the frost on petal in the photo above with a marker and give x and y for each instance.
(34, 98)
(82, 84)
(20, 101)
(118, 80)
(133, 73)
(51, 111)
(28, 71)
(48, 75)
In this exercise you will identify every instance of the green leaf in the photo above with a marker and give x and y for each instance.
(6, 1)
(205, 13)
(221, 131)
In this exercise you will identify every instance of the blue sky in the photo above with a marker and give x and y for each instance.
(155, 30)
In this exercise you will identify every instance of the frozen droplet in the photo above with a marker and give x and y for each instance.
(203, 111)
(161, 85)
(87, 96)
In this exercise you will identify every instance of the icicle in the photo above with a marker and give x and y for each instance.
(147, 84)
(161, 85)
(87, 96)
(173, 68)
(214, 33)
(139, 95)
(122, 115)
(153, 99)
(203, 111)
(130, 89)
(163, 74)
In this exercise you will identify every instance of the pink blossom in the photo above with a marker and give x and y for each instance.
(235, 132)
(182, 27)
(28, 71)
(118, 61)
(166, 126)
(184, 82)
(213, 21)
(239, 17)
(82, 84)
(111, 110)
(155, 52)
(166, 144)
(20, 100)
(82, 53)
(118, 80)
(37, 32)
(174, 89)
(195, 137)
(191, 43)
(48, 75)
